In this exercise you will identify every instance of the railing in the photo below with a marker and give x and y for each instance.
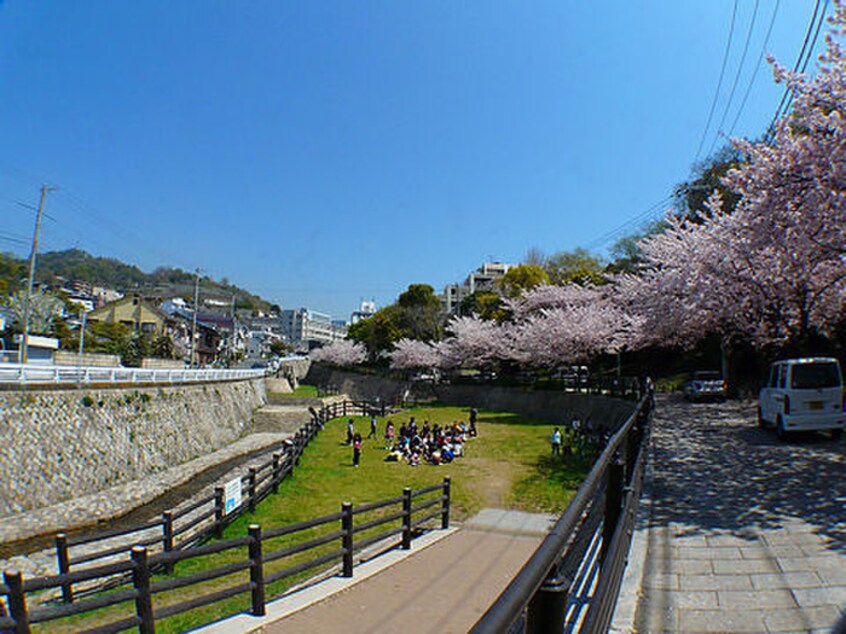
(180, 528)
(269, 560)
(573, 579)
(619, 386)
(33, 373)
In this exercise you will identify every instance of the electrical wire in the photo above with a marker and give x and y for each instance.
(736, 78)
(785, 102)
(719, 82)
(755, 72)
(640, 218)
(807, 56)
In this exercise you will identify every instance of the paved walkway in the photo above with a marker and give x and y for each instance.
(443, 585)
(740, 532)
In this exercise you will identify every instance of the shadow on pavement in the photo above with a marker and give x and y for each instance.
(716, 470)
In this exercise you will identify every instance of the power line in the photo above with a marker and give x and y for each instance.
(641, 217)
(757, 68)
(808, 54)
(719, 82)
(736, 77)
(782, 108)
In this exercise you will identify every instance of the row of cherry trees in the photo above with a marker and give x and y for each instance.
(770, 270)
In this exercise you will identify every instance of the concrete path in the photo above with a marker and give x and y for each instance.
(740, 532)
(443, 585)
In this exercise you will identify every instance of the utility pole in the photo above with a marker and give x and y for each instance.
(23, 352)
(194, 320)
(82, 335)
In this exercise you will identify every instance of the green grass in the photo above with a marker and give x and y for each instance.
(507, 466)
(301, 391)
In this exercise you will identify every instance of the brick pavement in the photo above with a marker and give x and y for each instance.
(740, 532)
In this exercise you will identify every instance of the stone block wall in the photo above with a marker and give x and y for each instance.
(556, 407)
(62, 444)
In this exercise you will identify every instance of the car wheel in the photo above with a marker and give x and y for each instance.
(781, 432)
(836, 434)
(761, 422)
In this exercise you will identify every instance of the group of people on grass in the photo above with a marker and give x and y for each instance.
(578, 437)
(415, 445)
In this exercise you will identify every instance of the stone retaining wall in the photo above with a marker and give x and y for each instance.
(553, 406)
(61, 444)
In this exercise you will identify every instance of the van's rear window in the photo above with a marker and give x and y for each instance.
(815, 375)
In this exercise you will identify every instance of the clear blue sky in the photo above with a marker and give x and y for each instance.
(318, 153)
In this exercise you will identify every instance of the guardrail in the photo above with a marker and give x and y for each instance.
(572, 581)
(387, 519)
(33, 373)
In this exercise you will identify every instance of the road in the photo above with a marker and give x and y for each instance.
(744, 533)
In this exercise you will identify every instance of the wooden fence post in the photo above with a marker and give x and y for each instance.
(277, 472)
(143, 596)
(347, 528)
(256, 570)
(219, 511)
(64, 565)
(167, 537)
(17, 601)
(445, 511)
(251, 488)
(406, 518)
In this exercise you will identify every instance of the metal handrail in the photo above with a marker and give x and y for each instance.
(543, 564)
(33, 373)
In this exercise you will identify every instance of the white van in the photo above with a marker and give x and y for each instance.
(803, 395)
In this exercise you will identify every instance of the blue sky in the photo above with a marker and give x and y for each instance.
(318, 153)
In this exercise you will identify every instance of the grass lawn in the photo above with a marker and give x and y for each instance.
(507, 466)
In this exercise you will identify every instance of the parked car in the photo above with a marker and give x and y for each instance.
(803, 395)
(427, 376)
(705, 385)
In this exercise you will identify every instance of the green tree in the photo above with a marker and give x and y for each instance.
(68, 339)
(627, 254)
(419, 313)
(279, 347)
(379, 332)
(689, 198)
(578, 266)
(522, 278)
(161, 347)
(485, 304)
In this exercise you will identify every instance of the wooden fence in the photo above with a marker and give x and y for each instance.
(96, 563)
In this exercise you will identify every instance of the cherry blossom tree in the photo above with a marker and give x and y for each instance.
(563, 324)
(773, 268)
(473, 343)
(343, 353)
(411, 354)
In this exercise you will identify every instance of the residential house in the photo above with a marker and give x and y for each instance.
(133, 311)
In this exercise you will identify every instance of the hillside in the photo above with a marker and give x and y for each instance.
(77, 265)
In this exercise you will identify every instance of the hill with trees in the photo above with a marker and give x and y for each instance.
(75, 265)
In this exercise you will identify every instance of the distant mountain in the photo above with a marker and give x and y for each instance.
(74, 265)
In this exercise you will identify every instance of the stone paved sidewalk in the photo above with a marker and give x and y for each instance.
(740, 532)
